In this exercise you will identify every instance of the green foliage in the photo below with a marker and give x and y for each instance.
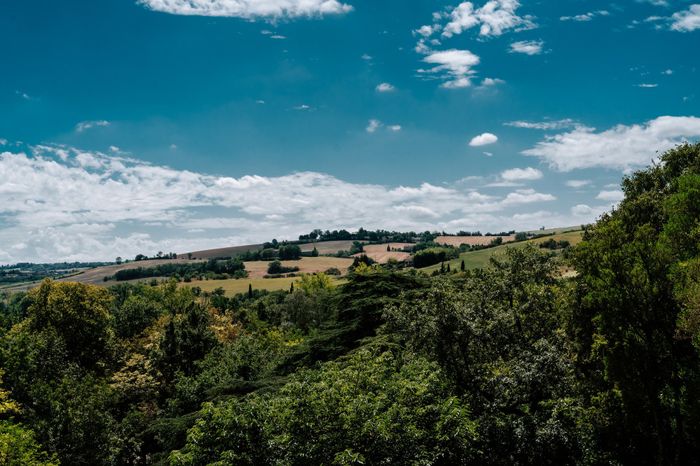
(634, 300)
(376, 408)
(18, 447)
(289, 252)
(276, 268)
(79, 316)
(432, 256)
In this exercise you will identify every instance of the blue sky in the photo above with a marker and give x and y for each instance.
(137, 126)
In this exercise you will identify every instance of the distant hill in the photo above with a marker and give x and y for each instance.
(220, 252)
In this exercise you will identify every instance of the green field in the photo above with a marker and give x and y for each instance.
(233, 287)
(481, 259)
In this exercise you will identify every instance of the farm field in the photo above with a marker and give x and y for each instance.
(471, 240)
(481, 259)
(95, 276)
(220, 252)
(378, 252)
(233, 287)
(327, 247)
(258, 269)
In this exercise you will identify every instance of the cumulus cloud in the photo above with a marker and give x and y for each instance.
(577, 184)
(585, 17)
(544, 125)
(686, 20)
(528, 47)
(385, 87)
(483, 140)
(249, 9)
(62, 203)
(521, 174)
(612, 196)
(527, 196)
(494, 18)
(454, 67)
(491, 82)
(621, 147)
(86, 125)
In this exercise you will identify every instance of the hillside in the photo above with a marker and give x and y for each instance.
(481, 258)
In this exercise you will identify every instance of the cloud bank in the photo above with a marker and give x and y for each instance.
(621, 147)
(62, 203)
(249, 9)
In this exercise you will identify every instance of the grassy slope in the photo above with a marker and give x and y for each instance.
(480, 259)
(233, 287)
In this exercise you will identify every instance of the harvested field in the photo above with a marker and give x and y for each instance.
(378, 252)
(258, 269)
(471, 240)
(220, 252)
(96, 276)
(233, 287)
(327, 247)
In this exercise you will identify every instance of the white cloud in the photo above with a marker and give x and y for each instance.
(86, 125)
(521, 174)
(302, 107)
(544, 125)
(491, 82)
(621, 147)
(249, 9)
(366, 57)
(385, 87)
(134, 207)
(373, 125)
(527, 196)
(647, 85)
(585, 17)
(426, 31)
(528, 47)
(667, 72)
(483, 140)
(577, 184)
(494, 18)
(612, 196)
(686, 20)
(453, 66)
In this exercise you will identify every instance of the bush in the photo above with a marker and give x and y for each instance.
(432, 256)
(276, 268)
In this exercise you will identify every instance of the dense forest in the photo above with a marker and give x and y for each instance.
(512, 364)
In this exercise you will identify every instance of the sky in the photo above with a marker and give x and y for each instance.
(137, 126)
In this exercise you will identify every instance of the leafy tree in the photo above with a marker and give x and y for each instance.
(496, 333)
(376, 408)
(18, 445)
(632, 312)
(78, 314)
(290, 252)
